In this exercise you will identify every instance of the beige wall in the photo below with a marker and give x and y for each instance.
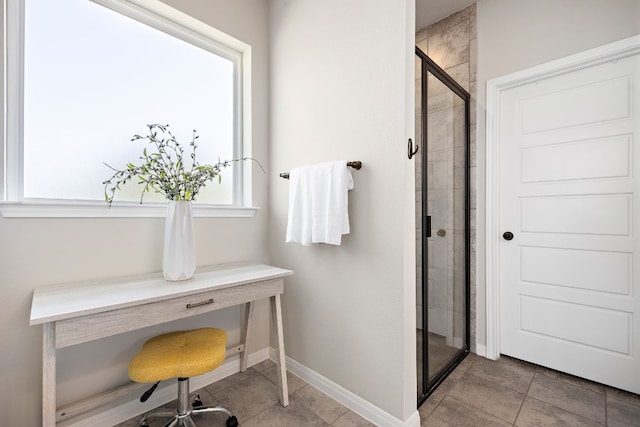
(37, 252)
(517, 34)
(342, 88)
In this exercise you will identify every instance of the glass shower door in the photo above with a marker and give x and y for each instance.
(442, 211)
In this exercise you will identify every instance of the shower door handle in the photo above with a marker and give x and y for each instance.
(427, 226)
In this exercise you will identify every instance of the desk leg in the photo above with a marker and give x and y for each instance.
(277, 334)
(246, 335)
(48, 375)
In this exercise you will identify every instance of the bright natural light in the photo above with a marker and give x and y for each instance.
(93, 78)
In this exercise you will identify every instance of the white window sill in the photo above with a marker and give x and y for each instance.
(90, 209)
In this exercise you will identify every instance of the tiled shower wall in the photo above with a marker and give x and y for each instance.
(450, 43)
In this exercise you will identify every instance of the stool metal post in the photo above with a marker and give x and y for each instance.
(183, 396)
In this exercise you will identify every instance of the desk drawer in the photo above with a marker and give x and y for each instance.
(94, 326)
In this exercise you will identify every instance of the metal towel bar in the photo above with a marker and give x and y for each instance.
(355, 165)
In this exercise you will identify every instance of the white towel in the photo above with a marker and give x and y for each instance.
(318, 203)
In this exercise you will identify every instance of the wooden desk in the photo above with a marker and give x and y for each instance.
(80, 312)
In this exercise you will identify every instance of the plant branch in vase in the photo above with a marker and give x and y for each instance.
(164, 169)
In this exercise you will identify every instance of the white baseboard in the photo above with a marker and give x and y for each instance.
(110, 415)
(481, 349)
(348, 399)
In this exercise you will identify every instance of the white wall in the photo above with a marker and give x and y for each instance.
(37, 252)
(518, 34)
(342, 88)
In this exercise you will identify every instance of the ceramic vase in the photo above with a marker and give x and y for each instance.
(179, 255)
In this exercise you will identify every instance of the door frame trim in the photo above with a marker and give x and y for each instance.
(607, 53)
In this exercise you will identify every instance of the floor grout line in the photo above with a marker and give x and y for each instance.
(606, 408)
(526, 394)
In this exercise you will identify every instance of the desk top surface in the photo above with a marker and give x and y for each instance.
(70, 300)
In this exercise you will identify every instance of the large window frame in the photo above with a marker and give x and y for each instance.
(163, 18)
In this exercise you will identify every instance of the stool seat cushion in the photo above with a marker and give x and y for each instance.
(181, 354)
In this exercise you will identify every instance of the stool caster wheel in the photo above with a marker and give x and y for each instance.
(197, 402)
(232, 422)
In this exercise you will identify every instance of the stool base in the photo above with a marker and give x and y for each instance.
(182, 417)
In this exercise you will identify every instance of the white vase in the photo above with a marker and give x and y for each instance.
(179, 255)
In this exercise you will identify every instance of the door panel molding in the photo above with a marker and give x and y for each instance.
(607, 53)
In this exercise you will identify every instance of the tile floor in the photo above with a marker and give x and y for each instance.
(509, 392)
(480, 392)
(253, 398)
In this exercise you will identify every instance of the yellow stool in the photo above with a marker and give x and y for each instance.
(180, 355)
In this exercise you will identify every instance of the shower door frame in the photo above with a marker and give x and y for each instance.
(428, 386)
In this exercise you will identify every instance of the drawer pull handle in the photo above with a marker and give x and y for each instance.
(198, 304)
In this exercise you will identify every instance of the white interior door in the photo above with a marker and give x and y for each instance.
(569, 170)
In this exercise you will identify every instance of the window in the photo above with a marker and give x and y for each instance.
(89, 77)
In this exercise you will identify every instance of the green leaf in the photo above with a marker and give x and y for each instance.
(163, 169)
